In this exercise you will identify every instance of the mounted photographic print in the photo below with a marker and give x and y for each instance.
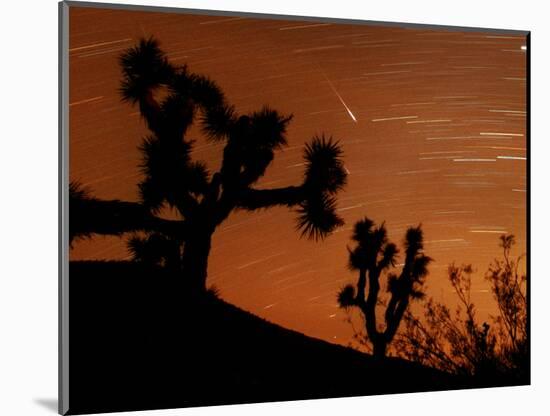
(264, 208)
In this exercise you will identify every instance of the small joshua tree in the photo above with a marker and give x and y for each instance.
(170, 100)
(372, 256)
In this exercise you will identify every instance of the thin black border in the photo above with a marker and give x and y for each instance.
(63, 146)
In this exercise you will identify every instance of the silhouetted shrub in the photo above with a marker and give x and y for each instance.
(458, 343)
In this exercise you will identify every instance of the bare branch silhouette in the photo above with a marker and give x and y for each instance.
(458, 343)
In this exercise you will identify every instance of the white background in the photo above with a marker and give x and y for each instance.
(28, 204)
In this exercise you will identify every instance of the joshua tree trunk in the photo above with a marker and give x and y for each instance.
(378, 341)
(195, 261)
(379, 346)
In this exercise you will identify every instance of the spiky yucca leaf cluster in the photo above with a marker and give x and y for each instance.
(346, 297)
(373, 249)
(317, 216)
(416, 266)
(324, 165)
(325, 175)
(259, 135)
(144, 67)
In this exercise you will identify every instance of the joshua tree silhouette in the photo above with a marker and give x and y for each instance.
(171, 99)
(373, 255)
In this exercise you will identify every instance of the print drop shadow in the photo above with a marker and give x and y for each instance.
(49, 404)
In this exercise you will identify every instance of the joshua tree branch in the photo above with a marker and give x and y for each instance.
(370, 306)
(150, 111)
(94, 216)
(390, 309)
(252, 199)
(361, 284)
(395, 320)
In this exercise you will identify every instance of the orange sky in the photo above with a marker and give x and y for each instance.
(432, 123)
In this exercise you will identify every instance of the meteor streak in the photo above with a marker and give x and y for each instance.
(340, 98)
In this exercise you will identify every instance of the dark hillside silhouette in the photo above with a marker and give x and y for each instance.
(372, 256)
(171, 99)
(135, 345)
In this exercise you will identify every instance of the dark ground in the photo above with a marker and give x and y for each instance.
(136, 344)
